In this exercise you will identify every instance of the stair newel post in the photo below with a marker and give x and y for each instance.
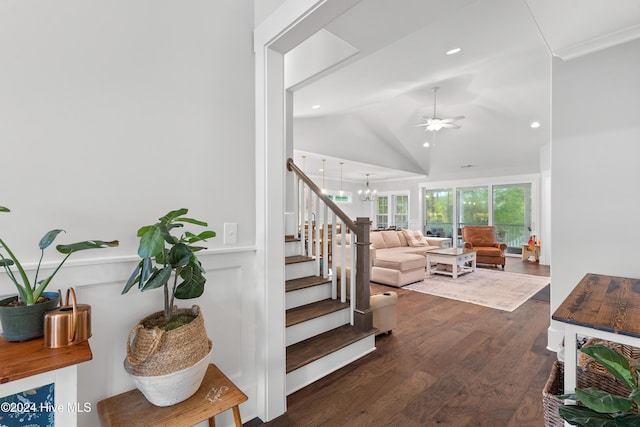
(363, 316)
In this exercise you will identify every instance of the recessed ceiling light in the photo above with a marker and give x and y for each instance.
(426, 144)
(535, 125)
(453, 51)
(315, 107)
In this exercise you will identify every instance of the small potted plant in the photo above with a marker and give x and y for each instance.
(600, 408)
(22, 316)
(168, 351)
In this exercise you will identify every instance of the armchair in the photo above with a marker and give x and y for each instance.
(482, 239)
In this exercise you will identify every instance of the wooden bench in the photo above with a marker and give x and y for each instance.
(131, 408)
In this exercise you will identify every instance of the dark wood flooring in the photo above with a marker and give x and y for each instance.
(447, 363)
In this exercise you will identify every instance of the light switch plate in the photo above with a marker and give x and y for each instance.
(230, 233)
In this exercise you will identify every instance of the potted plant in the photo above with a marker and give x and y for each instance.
(22, 316)
(599, 408)
(168, 351)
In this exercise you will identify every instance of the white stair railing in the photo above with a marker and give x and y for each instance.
(317, 226)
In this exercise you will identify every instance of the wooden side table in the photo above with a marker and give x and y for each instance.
(131, 408)
(526, 252)
(605, 307)
(28, 364)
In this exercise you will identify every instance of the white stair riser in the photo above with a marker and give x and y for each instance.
(313, 327)
(307, 295)
(300, 269)
(292, 248)
(313, 371)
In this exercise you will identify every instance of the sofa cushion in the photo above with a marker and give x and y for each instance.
(376, 240)
(403, 238)
(415, 238)
(487, 251)
(400, 261)
(391, 239)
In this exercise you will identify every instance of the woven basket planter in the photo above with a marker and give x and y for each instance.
(168, 366)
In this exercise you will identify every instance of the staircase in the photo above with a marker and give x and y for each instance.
(323, 331)
(320, 338)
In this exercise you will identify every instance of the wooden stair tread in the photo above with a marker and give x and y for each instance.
(297, 258)
(313, 310)
(314, 348)
(290, 238)
(305, 282)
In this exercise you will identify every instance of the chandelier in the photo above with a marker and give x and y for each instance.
(366, 194)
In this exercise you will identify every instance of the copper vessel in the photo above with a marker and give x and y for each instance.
(67, 325)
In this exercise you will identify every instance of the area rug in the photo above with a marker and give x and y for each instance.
(496, 289)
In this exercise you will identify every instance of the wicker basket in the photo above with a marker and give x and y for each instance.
(553, 387)
(585, 377)
(631, 353)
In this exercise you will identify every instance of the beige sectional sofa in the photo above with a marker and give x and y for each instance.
(398, 257)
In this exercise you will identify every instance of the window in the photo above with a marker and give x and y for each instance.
(382, 214)
(512, 214)
(401, 211)
(507, 206)
(392, 210)
(438, 207)
(473, 206)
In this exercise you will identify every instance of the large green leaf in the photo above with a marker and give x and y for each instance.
(601, 401)
(48, 238)
(613, 362)
(147, 270)
(635, 393)
(151, 242)
(179, 255)
(192, 221)
(133, 279)
(585, 417)
(3, 209)
(193, 284)
(628, 420)
(88, 244)
(168, 218)
(157, 279)
(192, 238)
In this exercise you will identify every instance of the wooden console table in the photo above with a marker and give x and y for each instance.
(131, 408)
(605, 307)
(27, 365)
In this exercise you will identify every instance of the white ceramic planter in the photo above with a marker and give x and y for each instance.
(167, 390)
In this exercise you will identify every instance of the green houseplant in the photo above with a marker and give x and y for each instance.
(171, 346)
(22, 315)
(600, 408)
(165, 255)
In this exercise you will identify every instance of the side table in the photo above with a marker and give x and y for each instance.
(605, 307)
(527, 251)
(131, 408)
(28, 364)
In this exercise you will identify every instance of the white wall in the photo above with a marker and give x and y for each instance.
(594, 165)
(111, 114)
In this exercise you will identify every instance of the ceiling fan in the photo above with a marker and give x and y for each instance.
(434, 123)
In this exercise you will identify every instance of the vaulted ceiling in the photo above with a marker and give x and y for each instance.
(370, 75)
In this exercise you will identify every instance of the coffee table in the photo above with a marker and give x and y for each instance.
(455, 257)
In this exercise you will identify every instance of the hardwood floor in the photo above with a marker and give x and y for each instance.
(447, 363)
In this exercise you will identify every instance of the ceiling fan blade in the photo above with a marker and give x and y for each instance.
(450, 126)
(452, 119)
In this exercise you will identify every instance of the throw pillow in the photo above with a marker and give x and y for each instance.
(414, 238)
